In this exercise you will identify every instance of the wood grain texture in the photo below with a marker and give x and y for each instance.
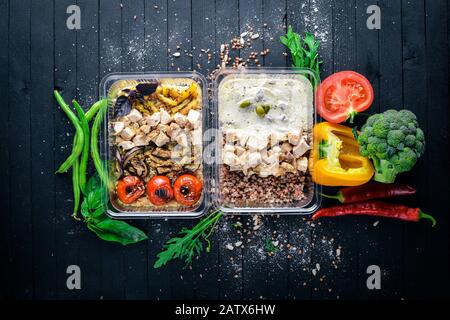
(407, 61)
(5, 249)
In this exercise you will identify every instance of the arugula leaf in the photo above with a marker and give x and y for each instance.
(188, 244)
(304, 52)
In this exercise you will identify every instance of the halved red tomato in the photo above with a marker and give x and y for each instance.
(342, 95)
(188, 189)
(129, 189)
(159, 190)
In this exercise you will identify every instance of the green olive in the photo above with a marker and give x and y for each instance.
(260, 111)
(245, 104)
(266, 108)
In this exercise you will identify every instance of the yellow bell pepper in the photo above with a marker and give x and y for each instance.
(335, 159)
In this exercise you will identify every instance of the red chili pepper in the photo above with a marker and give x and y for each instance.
(371, 191)
(375, 208)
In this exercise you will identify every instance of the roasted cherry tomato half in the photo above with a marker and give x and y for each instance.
(342, 95)
(159, 190)
(188, 189)
(129, 189)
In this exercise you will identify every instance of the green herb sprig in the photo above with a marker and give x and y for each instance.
(189, 242)
(269, 246)
(304, 51)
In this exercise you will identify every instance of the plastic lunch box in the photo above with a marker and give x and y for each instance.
(211, 197)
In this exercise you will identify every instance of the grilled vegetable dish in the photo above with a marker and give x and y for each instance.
(155, 132)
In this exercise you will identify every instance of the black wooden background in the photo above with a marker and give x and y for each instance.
(407, 62)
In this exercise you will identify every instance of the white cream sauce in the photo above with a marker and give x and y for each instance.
(290, 98)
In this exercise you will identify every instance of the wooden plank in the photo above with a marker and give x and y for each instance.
(277, 281)
(437, 46)
(4, 154)
(87, 93)
(67, 229)
(230, 262)
(336, 273)
(42, 144)
(113, 266)
(20, 240)
(254, 265)
(179, 26)
(298, 231)
(159, 286)
(372, 246)
(206, 269)
(385, 239)
(416, 257)
(133, 60)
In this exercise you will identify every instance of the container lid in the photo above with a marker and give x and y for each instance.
(265, 118)
(154, 127)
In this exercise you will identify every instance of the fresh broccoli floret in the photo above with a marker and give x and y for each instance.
(393, 141)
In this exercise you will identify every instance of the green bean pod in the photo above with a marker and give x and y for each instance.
(79, 136)
(90, 114)
(85, 153)
(95, 154)
(76, 189)
(94, 109)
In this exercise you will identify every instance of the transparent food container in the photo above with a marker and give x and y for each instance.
(297, 86)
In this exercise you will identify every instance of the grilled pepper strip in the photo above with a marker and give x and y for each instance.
(375, 208)
(335, 159)
(371, 191)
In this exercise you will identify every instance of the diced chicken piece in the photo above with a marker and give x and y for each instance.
(254, 159)
(239, 150)
(185, 160)
(127, 134)
(300, 149)
(186, 151)
(126, 145)
(287, 167)
(231, 159)
(231, 136)
(152, 135)
(294, 138)
(154, 119)
(196, 137)
(119, 140)
(134, 126)
(161, 139)
(145, 128)
(142, 122)
(276, 150)
(180, 119)
(277, 138)
(193, 118)
(174, 131)
(118, 127)
(125, 120)
(140, 140)
(269, 169)
(286, 147)
(243, 158)
(271, 158)
(257, 142)
(134, 115)
(228, 148)
(165, 117)
(242, 138)
(182, 140)
(302, 164)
